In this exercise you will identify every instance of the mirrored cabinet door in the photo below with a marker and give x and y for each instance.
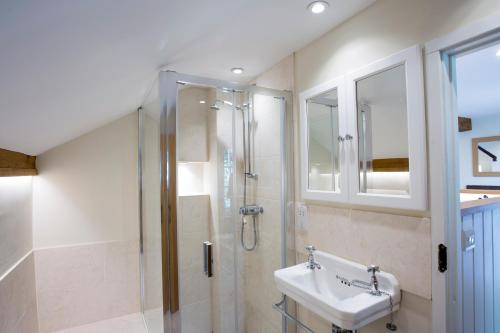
(382, 127)
(323, 122)
(386, 112)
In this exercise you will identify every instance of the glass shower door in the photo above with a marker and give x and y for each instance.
(221, 220)
(205, 168)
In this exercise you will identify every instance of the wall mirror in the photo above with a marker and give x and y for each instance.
(382, 126)
(485, 156)
(387, 117)
(322, 123)
(322, 134)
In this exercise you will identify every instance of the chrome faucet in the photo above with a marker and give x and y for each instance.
(311, 263)
(374, 281)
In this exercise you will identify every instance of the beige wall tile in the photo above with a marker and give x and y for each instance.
(82, 284)
(192, 124)
(195, 287)
(18, 307)
(400, 245)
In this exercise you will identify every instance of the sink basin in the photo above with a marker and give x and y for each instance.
(328, 293)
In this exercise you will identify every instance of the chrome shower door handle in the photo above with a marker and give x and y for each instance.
(207, 259)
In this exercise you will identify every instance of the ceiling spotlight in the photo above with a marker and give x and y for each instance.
(202, 102)
(317, 7)
(237, 70)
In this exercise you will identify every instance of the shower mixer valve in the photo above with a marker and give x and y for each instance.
(251, 210)
(251, 175)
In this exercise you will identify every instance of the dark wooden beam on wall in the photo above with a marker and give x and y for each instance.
(464, 124)
(16, 164)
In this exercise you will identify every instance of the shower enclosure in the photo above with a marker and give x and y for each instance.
(216, 206)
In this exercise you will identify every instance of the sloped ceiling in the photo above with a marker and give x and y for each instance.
(69, 66)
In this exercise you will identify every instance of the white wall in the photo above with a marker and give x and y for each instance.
(384, 28)
(481, 126)
(16, 238)
(87, 189)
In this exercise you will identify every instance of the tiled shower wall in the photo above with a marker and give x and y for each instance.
(259, 289)
(195, 294)
(222, 225)
(242, 288)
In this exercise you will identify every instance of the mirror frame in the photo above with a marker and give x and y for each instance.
(411, 58)
(475, 156)
(309, 194)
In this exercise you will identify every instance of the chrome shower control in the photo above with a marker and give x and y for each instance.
(251, 210)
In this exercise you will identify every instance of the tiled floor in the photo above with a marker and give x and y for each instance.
(132, 323)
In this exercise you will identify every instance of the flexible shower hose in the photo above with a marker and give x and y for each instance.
(243, 222)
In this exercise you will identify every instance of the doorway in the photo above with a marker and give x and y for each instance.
(461, 71)
(476, 80)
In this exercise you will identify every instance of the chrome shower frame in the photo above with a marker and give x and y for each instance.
(169, 82)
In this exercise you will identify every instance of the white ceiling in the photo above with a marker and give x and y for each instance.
(478, 83)
(68, 67)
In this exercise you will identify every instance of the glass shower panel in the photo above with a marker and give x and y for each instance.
(151, 255)
(206, 209)
(261, 169)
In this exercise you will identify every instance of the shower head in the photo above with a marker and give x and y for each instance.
(217, 103)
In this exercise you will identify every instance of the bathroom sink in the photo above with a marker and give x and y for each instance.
(329, 293)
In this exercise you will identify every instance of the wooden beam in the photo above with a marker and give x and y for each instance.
(464, 124)
(16, 164)
(390, 164)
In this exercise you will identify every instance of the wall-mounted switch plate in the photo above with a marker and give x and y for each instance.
(302, 217)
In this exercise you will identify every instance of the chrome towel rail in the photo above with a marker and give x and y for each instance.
(278, 307)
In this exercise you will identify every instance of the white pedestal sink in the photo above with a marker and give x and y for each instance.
(329, 293)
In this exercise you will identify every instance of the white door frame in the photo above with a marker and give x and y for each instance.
(444, 192)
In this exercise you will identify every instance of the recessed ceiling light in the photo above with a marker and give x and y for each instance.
(498, 53)
(202, 102)
(317, 7)
(237, 70)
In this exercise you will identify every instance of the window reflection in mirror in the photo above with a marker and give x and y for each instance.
(323, 147)
(383, 133)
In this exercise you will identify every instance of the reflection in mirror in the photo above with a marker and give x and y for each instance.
(323, 147)
(485, 156)
(383, 133)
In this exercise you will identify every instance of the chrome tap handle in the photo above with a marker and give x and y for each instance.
(311, 263)
(374, 281)
(310, 249)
